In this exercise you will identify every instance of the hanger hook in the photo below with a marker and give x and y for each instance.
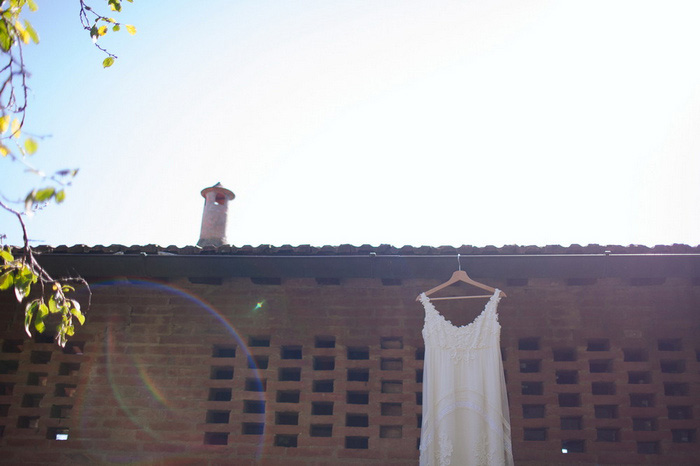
(459, 262)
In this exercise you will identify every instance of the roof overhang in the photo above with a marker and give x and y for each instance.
(372, 265)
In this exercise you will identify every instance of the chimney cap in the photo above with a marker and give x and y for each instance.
(219, 189)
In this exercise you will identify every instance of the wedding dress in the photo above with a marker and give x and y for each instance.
(465, 405)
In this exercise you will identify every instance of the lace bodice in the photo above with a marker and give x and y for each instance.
(462, 341)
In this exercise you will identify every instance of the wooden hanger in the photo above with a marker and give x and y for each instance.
(461, 276)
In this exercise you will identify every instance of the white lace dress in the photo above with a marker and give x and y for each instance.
(465, 405)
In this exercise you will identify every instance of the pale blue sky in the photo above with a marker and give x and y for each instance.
(421, 123)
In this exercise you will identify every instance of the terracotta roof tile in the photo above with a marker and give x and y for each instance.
(365, 249)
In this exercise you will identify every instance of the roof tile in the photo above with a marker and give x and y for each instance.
(366, 249)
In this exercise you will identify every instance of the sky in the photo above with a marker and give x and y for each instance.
(370, 122)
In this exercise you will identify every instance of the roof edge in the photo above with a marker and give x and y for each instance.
(366, 249)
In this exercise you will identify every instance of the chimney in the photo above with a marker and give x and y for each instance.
(213, 231)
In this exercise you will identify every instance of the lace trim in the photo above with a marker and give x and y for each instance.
(461, 341)
(485, 452)
(484, 455)
(445, 449)
(492, 302)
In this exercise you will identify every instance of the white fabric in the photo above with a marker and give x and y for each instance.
(465, 405)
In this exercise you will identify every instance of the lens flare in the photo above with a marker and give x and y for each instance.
(141, 377)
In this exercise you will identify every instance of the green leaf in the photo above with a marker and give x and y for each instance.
(32, 5)
(22, 32)
(16, 128)
(28, 314)
(43, 309)
(27, 273)
(31, 146)
(6, 254)
(60, 196)
(53, 307)
(44, 194)
(61, 337)
(4, 123)
(93, 31)
(5, 37)
(131, 29)
(22, 289)
(29, 200)
(115, 28)
(67, 288)
(107, 62)
(31, 31)
(76, 312)
(39, 324)
(6, 280)
(20, 280)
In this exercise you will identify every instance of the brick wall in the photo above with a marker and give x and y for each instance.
(328, 371)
